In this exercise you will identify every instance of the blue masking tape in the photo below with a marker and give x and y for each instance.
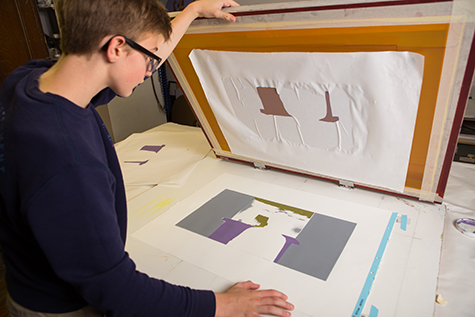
(404, 222)
(374, 312)
(374, 267)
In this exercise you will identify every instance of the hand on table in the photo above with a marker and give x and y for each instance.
(244, 299)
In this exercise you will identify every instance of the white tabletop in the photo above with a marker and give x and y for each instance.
(406, 283)
(457, 268)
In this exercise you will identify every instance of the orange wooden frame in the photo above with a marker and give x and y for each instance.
(428, 40)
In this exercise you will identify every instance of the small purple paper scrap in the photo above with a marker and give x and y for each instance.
(152, 148)
(137, 162)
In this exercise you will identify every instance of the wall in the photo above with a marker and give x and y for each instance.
(21, 35)
(136, 113)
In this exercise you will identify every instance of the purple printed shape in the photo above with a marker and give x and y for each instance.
(137, 162)
(271, 101)
(152, 148)
(288, 242)
(229, 230)
(329, 116)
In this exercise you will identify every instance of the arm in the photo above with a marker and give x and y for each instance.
(243, 299)
(201, 8)
(77, 225)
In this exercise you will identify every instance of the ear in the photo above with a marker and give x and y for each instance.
(115, 49)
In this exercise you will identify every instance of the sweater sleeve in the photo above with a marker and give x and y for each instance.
(73, 219)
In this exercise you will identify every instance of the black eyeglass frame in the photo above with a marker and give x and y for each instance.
(151, 66)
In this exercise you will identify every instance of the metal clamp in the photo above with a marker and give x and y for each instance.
(260, 165)
(346, 184)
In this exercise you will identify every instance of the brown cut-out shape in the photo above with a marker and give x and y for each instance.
(271, 101)
(329, 117)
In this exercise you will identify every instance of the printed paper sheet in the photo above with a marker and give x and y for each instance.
(339, 240)
(345, 115)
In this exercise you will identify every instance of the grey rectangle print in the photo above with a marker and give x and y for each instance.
(321, 242)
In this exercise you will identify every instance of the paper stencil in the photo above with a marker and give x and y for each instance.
(344, 115)
(309, 242)
(151, 158)
(302, 115)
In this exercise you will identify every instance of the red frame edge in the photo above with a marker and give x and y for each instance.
(458, 120)
(338, 7)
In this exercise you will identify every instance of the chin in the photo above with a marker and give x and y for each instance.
(123, 94)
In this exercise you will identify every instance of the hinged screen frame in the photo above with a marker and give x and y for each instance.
(442, 31)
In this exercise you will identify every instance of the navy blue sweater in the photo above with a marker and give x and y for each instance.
(63, 212)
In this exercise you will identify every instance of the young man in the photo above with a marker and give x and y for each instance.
(62, 202)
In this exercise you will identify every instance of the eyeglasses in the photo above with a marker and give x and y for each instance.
(154, 59)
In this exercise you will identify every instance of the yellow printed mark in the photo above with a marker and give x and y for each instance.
(282, 207)
(262, 220)
(157, 206)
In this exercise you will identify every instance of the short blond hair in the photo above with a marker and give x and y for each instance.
(84, 23)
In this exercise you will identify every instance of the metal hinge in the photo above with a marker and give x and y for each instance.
(346, 184)
(260, 165)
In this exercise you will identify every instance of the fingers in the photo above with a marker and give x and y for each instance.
(275, 306)
(212, 9)
(244, 299)
(231, 3)
(272, 302)
(225, 16)
(276, 302)
(269, 293)
(248, 285)
(228, 16)
(274, 311)
(272, 294)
